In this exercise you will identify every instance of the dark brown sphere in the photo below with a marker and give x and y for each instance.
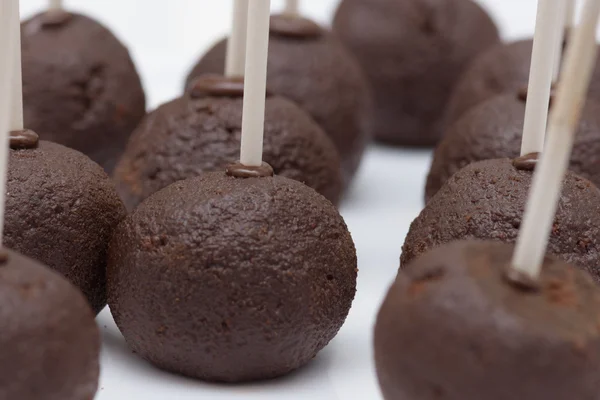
(311, 67)
(231, 279)
(50, 342)
(501, 69)
(486, 200)
(61, 209)
(454, 327)
(494, 129)
(413, 52)
(189, 136)
(80, 87)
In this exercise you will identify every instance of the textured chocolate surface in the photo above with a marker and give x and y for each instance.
(413, 53)
(322, 77)
(50, 342)
(501, 69)
(187, 137)
(80, 87)
(486, 200)
(61, 209)
(231, 279)
(494, 129)
(452, 327)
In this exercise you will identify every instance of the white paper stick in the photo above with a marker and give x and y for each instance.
(16, 112)
(547, 182)
(236, 45)
(292, 7)
(560, 38)
(8, 11)
(54, 5)
(570, 14)
(255, 86)
(540, 76)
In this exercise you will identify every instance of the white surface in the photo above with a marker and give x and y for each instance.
(166, 37)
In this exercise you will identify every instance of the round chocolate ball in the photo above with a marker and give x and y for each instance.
(50, 342)
(231, 279)
(456, 326)
(503, 68)
(80, 87)
(494, 129)
(311, 67)
(61, 209)
(200, 132)
(486, 200)
(413, 52)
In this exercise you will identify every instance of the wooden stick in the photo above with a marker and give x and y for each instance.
(16, 112)
(236, 45)
(570, 14)
(292, 7)
(540, 75)
(9, 9)
(255, 86)
(547, 182)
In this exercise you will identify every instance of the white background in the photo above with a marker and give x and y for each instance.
(166, 37)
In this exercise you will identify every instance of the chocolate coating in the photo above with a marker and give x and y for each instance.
(217, 86)
(501, 69)
(230, 279)
(61, 209)
(322, 77)
(494, 129)
(486, 200)
(23, 139)
(413, 52)
(80, 87)
(452, 327)
(50, 342)
(186, 137)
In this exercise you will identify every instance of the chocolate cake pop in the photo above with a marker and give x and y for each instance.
(493, 129)
(454, 326)
(80, 87)
(233, 276)
(49, 339)
(486, 200)
(61, 209)
(502, 69)
(200, 132)
(244, 278)
(413, 52)
(310, 66)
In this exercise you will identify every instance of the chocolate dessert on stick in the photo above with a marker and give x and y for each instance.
(61, 207)
(310, 66)
(201, 132)
(50, 342)
(512, 124)
(486, 199)
(547, 183)
(253, 273)
(543, 64)
(464, 321)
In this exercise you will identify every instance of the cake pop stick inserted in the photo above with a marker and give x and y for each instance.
(255, 86)
(55, 5)
(292, 7)
(236, 44)
(9, 11)
(547, 182)
(16, 110)
(560, 38)
(547, 28)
